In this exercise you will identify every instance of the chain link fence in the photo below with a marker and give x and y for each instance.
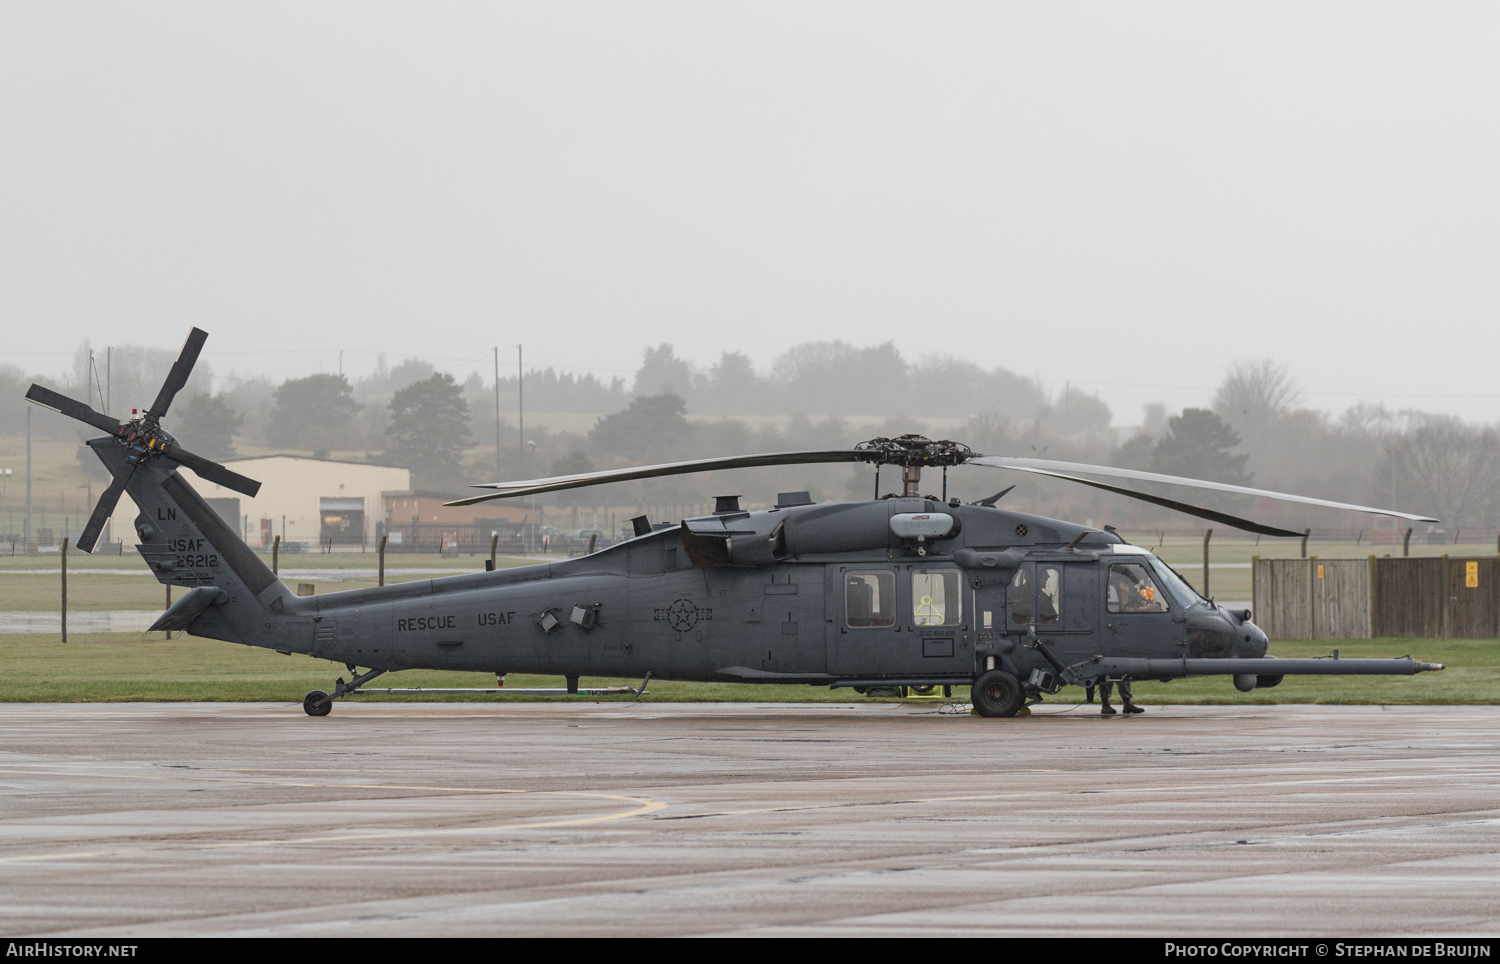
(53, 591)
(112, 592)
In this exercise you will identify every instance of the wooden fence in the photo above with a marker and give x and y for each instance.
(1446, 597)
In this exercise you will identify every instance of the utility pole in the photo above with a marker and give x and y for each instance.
(536, 526)
(520, 410)
(92, 379)
(497, 413)
(26, 539)
(1395, 523)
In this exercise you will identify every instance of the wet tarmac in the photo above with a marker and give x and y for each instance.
(644, 819)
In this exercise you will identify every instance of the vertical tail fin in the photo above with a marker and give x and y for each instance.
(186, 544)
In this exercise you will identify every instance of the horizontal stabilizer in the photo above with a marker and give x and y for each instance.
(188, 608)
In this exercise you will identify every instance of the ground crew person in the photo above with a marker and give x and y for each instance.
(1104, 689)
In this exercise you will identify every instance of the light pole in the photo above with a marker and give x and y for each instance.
(536, 527)
(26, 541)
(1395, 522)
(497, 416)
(4, 493)
(521, 406)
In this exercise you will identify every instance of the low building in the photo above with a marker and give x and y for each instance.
(415, 517)
(303, 500)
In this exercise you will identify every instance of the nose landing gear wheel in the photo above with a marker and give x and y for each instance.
(317, 703)
(997, 693)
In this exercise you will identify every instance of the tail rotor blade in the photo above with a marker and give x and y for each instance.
(211, 471)
(178, 376)
(103, 510)
(72, 408)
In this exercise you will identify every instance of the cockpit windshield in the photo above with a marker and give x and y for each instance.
(1184, 594)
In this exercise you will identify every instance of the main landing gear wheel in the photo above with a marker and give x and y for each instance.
(317, 703)
(997, 693)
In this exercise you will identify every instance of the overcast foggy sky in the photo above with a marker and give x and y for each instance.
(1125, 196)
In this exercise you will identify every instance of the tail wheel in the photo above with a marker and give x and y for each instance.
(997, 693)
(317, 703)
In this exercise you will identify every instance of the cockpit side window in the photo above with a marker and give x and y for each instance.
(1179, 587)
(1131, 590)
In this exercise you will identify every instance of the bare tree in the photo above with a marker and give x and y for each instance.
(990, 433)
(1259, 399)
(1074, 414)
(131, 375)
(1258, 390)
(1451, 469)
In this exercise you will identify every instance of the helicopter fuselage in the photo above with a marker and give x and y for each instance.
(770, 597)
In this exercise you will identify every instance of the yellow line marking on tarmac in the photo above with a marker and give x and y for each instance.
(845, 806)
(1026, 794)
(645, 805)
(397, 786)
(65, 773)
(1259, 784)
(973, 796)
(206, 775)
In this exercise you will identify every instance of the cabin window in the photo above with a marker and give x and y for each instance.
(1131, 590)
(870, 599)
(1020, 598)
(935, 598)
(1049, 595)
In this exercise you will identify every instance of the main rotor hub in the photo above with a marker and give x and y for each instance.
(912, 452)
(915, 451)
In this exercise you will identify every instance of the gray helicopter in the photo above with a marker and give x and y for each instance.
(902, 591)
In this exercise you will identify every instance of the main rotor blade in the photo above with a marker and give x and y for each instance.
(73, 408)
(105, 508)
(559, 482)
(178, 376)
(1047, 465)
(211, 471)
(1199, 511)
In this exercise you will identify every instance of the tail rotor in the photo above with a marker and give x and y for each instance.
(142, 439)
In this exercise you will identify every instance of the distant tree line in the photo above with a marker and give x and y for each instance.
(1256, 430)
(837, 378)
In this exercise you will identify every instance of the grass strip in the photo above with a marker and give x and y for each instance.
(128, 668)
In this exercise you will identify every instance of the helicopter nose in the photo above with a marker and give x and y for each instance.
(1250, 640)
(1255, 638)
